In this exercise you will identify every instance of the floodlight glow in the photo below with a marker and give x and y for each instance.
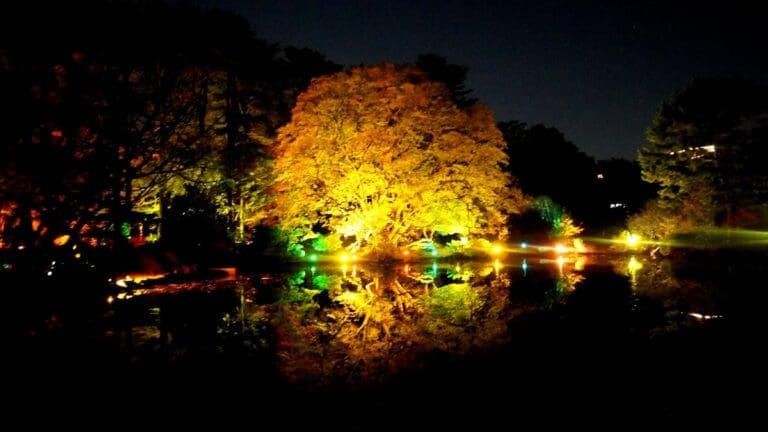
(632, 240)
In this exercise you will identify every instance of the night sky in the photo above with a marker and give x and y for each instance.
(595, 71)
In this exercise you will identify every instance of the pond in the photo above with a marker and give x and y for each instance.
(608, 328)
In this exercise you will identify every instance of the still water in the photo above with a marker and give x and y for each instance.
(594, 339)
(327, 323)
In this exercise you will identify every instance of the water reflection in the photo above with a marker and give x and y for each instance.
(366, 324)
(357, 322)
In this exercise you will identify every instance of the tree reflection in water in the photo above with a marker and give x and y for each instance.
(361, 323)
(367, 324)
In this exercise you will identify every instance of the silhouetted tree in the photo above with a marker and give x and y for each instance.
(453, 76)
(706, 148)
(545, 163)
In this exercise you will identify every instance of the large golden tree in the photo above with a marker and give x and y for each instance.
(382, 157)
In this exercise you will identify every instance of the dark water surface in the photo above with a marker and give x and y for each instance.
(614, 340)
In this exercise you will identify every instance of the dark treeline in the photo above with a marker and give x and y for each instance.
(114, 109)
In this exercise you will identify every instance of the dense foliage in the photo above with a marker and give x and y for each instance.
(381, 157)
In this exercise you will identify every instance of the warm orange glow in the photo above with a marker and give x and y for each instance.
(61, 240)
(560, 263)
(110, 300)
(496, 249)
(560, 249)
(580, 263)
(230, 273)
(579, 246)
(137, 278)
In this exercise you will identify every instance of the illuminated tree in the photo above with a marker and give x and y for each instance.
(706, 148)
(380, 156)
(562, 226)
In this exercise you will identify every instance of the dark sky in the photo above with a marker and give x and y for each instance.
(596, 71)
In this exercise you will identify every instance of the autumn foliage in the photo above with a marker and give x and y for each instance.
(380, 157)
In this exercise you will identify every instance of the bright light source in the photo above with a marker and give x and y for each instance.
(110, 300)
(434, 252)
(344, 258)
(560, 249)
(524, 245)
(464, 240)
(632, 240)
(313, 257)
(496, 249)
(50, 273)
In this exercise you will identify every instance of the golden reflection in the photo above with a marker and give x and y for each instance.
(378, 322)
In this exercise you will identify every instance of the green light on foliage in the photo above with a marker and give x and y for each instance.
(321, 281)
(320, 244)
(434, 252)
(125, 230)
(434, 269)
(313, 257)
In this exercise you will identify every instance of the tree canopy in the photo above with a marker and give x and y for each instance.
(380, 156)
(706, 148)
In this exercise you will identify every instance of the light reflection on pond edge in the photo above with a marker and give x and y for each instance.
(612, 337)
(360, 323)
